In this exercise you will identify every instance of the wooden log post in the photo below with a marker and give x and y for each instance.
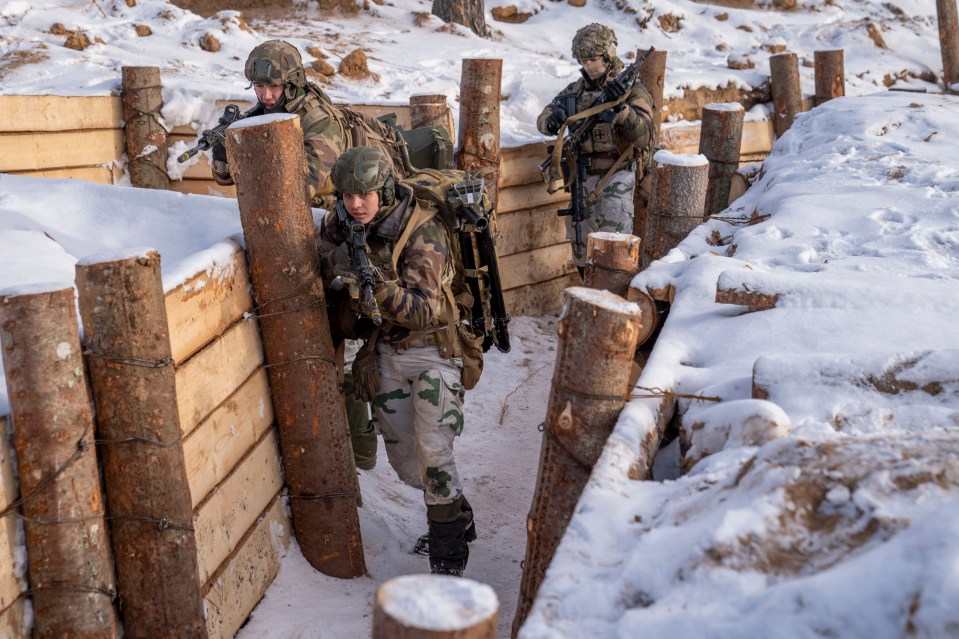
(597, 339)
(288, 291)
(786, 91)
(677, 202)
(612, 260)
(130, 359)
(948, 17)
(72, 582)
(479, 121)
(652, 73)
(428, 110)
(830, 76)
(720, 138)
(434, 607)
(146, 138)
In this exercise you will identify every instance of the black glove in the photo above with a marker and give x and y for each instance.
(555, 120)
(219, 152)
(615, 89)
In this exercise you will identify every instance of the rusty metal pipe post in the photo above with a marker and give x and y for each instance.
(290, 301)
(720, 139)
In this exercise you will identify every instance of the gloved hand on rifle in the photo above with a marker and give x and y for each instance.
(615, 89)
(555, 120)
(218, 151)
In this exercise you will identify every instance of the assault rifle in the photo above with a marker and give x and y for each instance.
(365, 273)
(577, 163)
(480, 263)
(218, 133)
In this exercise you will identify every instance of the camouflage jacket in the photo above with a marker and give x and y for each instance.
(410, 299)
(607, 140)
(324, 139)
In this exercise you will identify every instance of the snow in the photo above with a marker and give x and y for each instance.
(853, 222)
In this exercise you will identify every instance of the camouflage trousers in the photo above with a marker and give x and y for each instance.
(419, 411)
(612, 212)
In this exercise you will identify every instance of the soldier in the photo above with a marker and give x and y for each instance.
(629, 134)
(406, 368)
(275, 71)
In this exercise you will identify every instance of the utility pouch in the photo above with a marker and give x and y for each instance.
(366, 374)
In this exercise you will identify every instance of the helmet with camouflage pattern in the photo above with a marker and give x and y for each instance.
(275, 62)
(364, 169)
(594, 40)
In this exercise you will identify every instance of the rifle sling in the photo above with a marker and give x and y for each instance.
(599, 108)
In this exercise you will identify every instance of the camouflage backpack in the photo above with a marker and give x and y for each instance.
(474, 291)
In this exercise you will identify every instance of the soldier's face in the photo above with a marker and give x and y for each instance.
(362, 207)
(267, 94)
(594, 66)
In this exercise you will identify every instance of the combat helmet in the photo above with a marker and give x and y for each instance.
(364, 169)
(594, 40)
(275, 62)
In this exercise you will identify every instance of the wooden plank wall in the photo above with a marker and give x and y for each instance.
(230, 442)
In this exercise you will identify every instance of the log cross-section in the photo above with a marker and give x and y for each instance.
(597, 339)
(72, 581)
(291, 305)
(148, 497)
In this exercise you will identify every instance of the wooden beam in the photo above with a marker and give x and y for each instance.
(237, 586)
(33, 113)
(210, 376)
(222, 520)
(531, 196)
(541, 298)
(528, 229)
(95, 174)
(519, 165)
(215, 447)
(202, 187)
(200, 309)
(33, 151)
(534, 266)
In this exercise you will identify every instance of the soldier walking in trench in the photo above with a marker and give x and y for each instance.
(626, 132)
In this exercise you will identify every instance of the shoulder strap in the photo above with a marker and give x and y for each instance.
(420, 217)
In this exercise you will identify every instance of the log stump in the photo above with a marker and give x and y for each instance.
(479, 149)
(146, 138)
(597, 339)
(677, 202)
(291, 304)
(138, 429)
(786, 91)
(948, 18)
(830, 76)
(72, 582)
(720, 139)
(612, 260)
(434, 607)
